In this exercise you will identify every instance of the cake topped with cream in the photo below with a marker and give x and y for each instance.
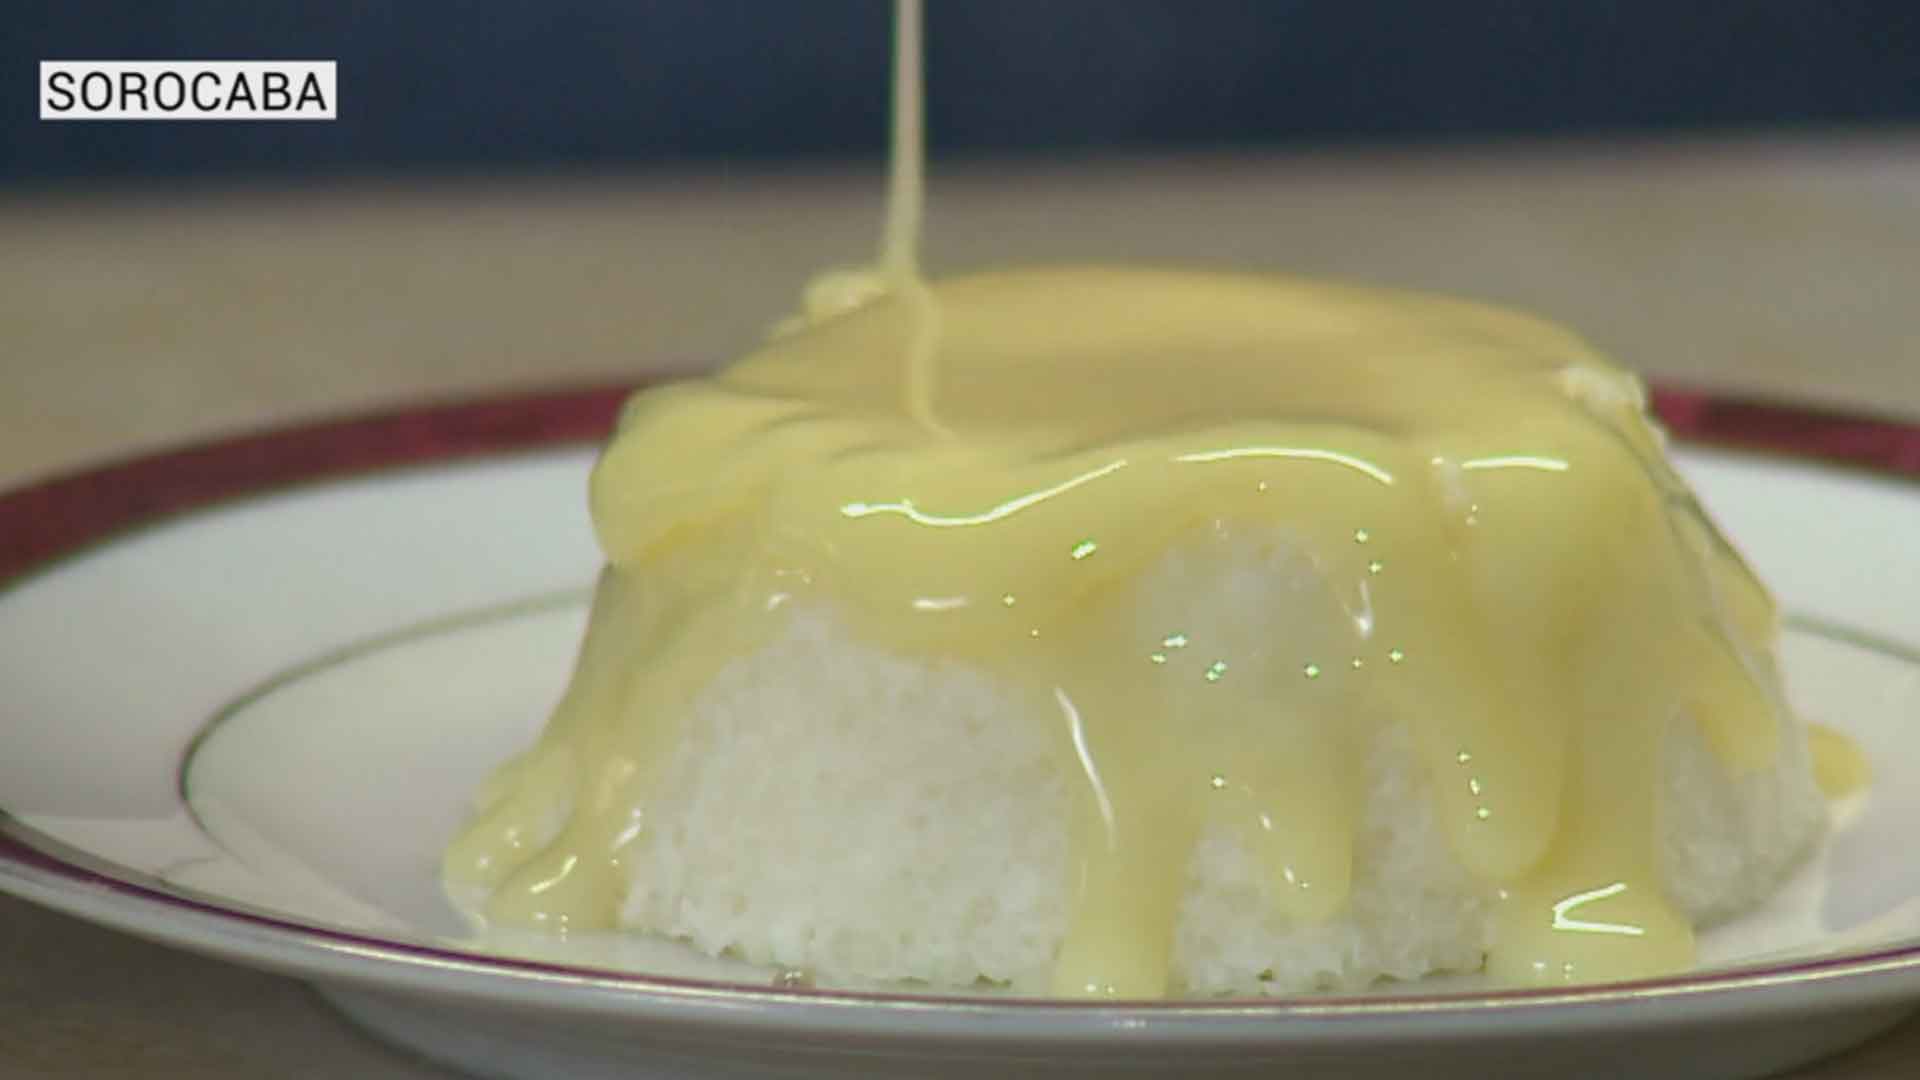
(1122, 632)
(1216, 539)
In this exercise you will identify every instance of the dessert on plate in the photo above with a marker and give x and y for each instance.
(1130, 632)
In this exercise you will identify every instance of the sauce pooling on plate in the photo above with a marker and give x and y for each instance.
(1492, 548)
(1507, 566)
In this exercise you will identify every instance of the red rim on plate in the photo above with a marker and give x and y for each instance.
(48, 521)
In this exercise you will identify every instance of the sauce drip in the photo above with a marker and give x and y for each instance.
(1492, 551)
(1839, 766)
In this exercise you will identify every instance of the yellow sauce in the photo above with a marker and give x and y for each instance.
(984, 469)
(1839, 766)
(1509, 568)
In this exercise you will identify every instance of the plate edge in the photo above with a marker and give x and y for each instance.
(45, 523)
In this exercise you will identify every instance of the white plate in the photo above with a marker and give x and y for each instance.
(248, 730)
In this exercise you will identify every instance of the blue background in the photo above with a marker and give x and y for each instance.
(491, 85)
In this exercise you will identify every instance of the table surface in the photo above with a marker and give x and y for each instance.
(135, 320)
